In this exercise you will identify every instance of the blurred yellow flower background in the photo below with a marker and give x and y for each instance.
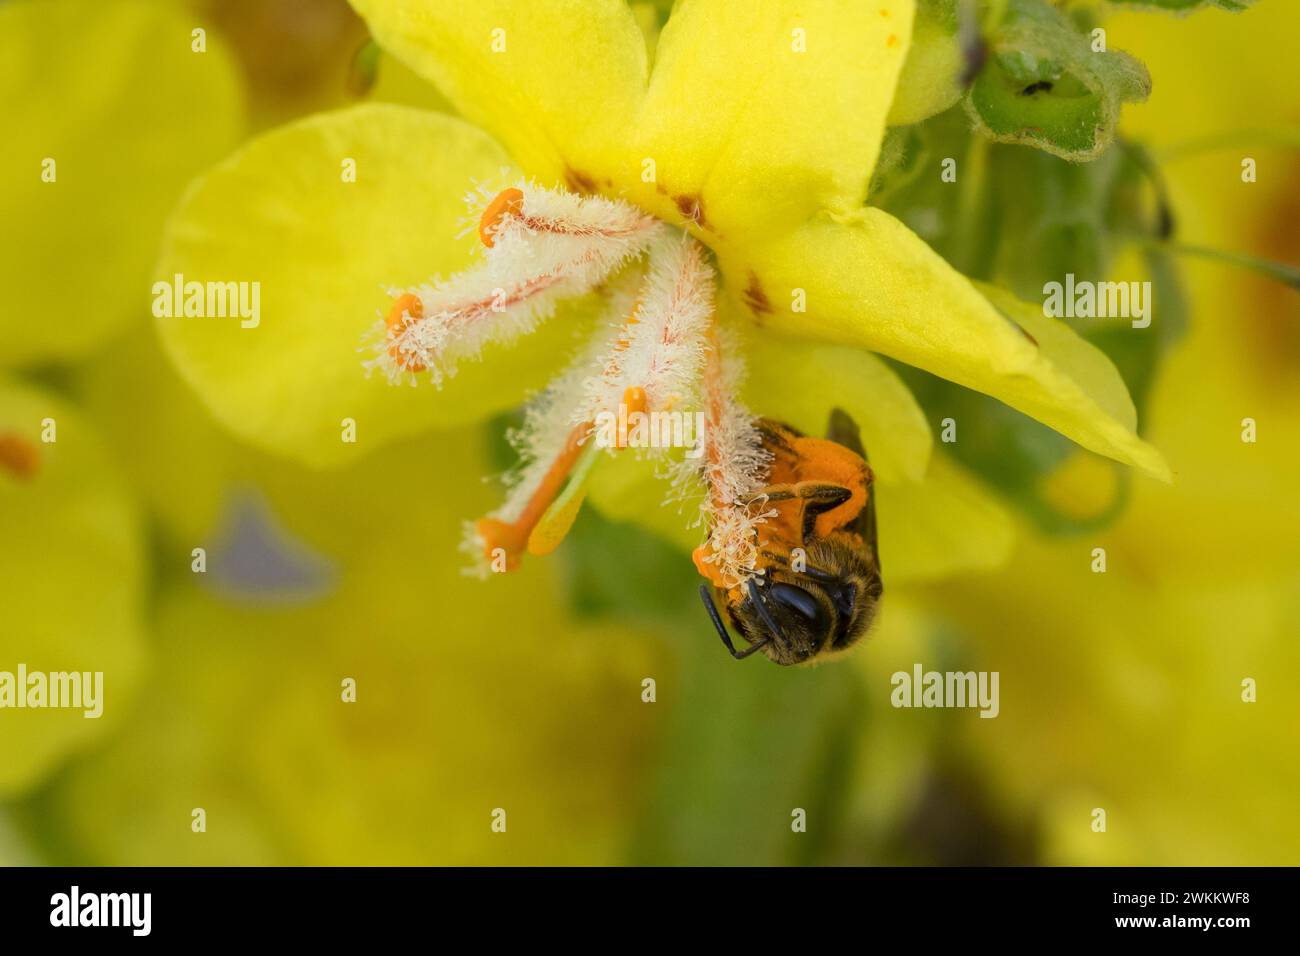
(331, 690)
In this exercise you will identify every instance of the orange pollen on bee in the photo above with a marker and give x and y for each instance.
(404, 305)
(18, 456)
(508, 202)
(512, 536)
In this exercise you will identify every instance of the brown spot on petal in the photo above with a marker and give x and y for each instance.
(18, 456)
(756, 298)
(1021, 329)
(1018, 327)
(579, 182)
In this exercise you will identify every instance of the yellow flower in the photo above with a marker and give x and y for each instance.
(72, 567)
(462, 705)
(73, 556)
(755, 135)
(107, 113)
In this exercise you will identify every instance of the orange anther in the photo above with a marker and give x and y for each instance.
(507, 202)
(404, 305)
(634, 399)
(512, 537)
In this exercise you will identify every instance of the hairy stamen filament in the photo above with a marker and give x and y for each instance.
(540, 247)
(662, 352)
(734, 461)
(511, 537)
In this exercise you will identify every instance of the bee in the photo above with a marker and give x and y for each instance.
(820, 585)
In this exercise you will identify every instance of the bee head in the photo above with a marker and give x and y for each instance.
(794, 617)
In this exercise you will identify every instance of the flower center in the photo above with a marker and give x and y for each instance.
(663, 358)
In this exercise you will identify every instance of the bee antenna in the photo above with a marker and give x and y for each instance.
(761, 606)
(722, 628)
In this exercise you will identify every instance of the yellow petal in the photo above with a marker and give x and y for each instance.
(931, 78)
(871, 282)
(280, 213)
(945, 525)
(176, 459)
(470, 695)
(395, 82)
(556, 82)
(105, 114)
(626, 490)
(71, 571)
(761, 112)
(799, 382)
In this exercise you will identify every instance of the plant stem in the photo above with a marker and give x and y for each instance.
(1279, 271)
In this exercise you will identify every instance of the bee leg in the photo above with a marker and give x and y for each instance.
(820, 497)
(770, 493)
(843, 430)
(712, 608)
(764, 611)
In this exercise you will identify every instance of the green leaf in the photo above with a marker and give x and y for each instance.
(1045, 86)
(1036, 218)
(1074, 219)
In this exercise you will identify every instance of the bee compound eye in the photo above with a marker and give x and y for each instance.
(798, 600)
